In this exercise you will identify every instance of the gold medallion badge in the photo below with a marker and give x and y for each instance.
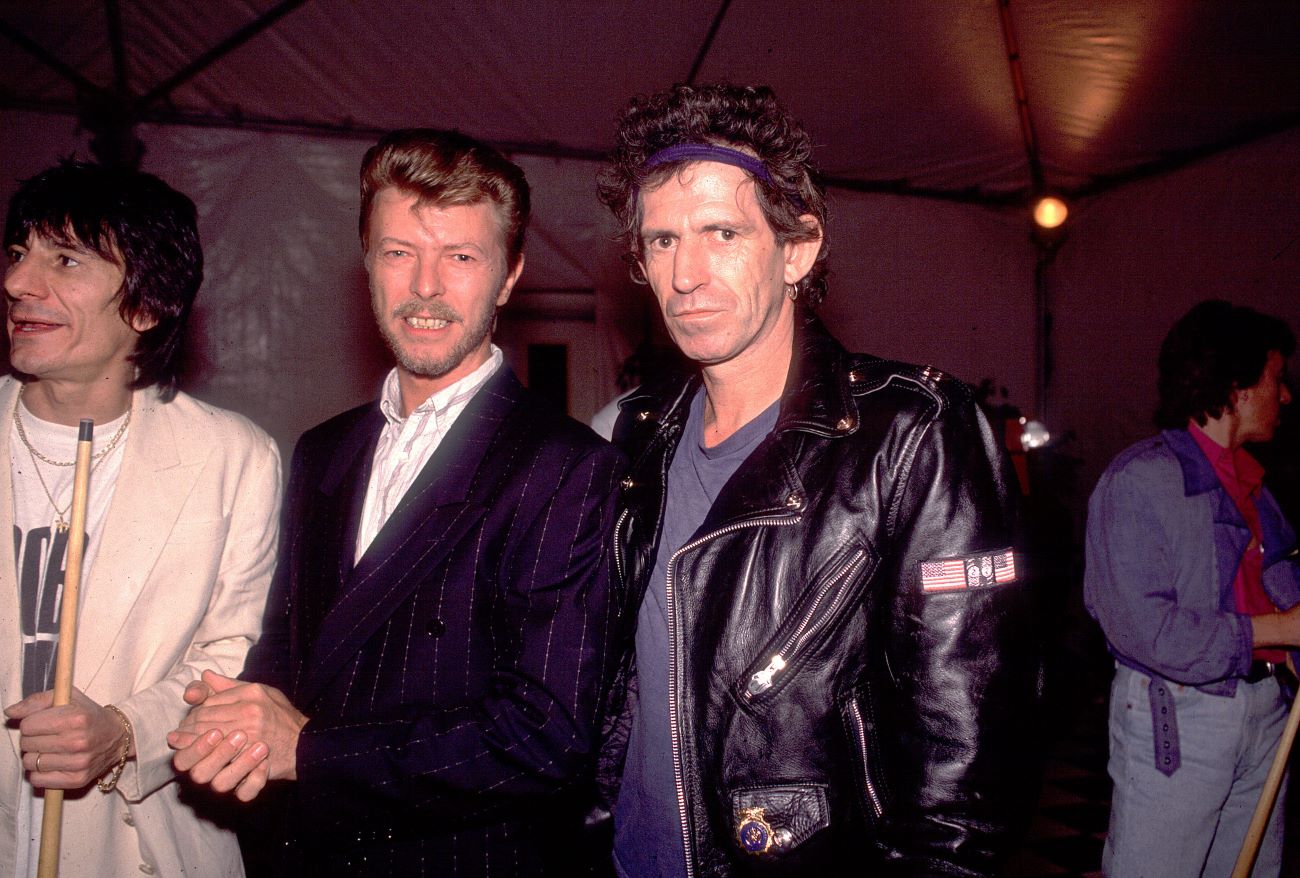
(754, 832)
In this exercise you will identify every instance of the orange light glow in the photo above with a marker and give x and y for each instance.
(1050, 212)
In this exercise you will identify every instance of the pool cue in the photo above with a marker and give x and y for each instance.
(52, 820)
(1267, 797)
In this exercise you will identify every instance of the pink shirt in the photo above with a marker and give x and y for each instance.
(1242, 477)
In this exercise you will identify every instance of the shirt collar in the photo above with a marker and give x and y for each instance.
(390, 397)
(1229, 463)
(1249, 470)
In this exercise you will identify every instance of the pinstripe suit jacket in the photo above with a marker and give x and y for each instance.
(453, 676)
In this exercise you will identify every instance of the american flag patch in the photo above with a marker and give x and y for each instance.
(968, 571)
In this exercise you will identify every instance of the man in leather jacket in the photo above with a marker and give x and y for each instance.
(835, 665)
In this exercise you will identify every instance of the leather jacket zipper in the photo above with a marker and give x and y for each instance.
(618, 555)
(673, 723)
(763, 680)
(860, 733)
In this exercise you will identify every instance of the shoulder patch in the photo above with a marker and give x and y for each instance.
(982, 570)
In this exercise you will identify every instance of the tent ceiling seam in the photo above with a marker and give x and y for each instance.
(219, 51)
(1027, 134)
(708, 42)
(46, 57)
(117, 46)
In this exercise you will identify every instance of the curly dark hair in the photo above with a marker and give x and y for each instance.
(137, 222)
(1214, 349)
(744, 117)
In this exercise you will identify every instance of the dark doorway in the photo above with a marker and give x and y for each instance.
(548, 373)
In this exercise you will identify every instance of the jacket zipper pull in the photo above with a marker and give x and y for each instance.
(762, 680)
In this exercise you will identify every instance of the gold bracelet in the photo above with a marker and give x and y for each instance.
(108, 782)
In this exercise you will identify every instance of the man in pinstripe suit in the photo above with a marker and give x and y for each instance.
(437, 640)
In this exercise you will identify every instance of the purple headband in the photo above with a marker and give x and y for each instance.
(710, 152)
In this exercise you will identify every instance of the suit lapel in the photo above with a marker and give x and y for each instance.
(344, 487)
(321, 533)
(155, 480)
(151, 488)
(429, 523)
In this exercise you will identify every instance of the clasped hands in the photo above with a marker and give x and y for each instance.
(237, 736)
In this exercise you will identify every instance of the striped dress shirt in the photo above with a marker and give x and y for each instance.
(407, 443)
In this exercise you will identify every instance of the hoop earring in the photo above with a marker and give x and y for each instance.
(792, 292)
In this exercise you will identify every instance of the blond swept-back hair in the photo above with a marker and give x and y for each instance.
(445, 168)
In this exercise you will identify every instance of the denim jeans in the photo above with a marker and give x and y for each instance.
(1193, 822)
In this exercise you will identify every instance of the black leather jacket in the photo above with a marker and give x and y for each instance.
(827, 696)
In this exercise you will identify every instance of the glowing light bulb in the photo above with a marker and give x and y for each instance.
(1050, 212)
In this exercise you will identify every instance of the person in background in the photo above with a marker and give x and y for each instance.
(1192, 573)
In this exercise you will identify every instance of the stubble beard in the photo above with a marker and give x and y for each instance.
(473, 334)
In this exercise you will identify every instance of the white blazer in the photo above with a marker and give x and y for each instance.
(178, 585)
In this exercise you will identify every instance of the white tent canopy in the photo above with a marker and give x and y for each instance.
(1170, 125)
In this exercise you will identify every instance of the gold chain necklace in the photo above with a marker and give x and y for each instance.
(61, 521)
(107, 450)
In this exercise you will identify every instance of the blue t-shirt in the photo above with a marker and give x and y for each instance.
(647, 824)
